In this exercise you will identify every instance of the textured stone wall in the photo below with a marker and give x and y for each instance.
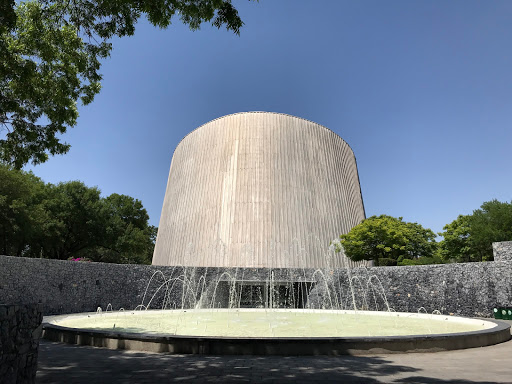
(502, 251)
(469, 289)
(71, 286)
(20, 329)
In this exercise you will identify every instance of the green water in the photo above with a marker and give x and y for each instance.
(276, 323)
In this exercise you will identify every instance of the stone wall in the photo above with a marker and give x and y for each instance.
(468, 289)
(20, 329)
(63, 286)
(502, 251)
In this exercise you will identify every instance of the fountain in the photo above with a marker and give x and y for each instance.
(271, 311)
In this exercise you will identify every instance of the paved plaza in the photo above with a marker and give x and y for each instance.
(60, 363)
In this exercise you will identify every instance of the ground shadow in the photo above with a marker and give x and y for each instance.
(61, 363)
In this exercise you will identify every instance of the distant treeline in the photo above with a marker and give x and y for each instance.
(389, 240)
(71, 221)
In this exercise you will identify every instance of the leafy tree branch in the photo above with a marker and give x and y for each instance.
(50, 57)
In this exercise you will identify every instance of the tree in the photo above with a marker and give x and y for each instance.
(455, 244)
(50, 53)
(7, 14)
(388, 240)
(76, 224)
(491, 223)
(71, 220)
(21, 213)
(127, 236)
(470, 238)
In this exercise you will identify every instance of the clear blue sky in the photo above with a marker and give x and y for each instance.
(421, 90)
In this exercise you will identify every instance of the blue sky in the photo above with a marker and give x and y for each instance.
(421, 90)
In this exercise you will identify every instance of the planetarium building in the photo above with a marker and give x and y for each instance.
(258, 190)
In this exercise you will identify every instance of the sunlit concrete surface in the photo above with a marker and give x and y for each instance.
(258, 189)
(60, 363)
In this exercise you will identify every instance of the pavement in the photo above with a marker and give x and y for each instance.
(61, 363)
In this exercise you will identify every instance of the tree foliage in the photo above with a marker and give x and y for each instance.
(50, 57)
(470, 237)
(127, 234)
(71, 220)
(455, 244)
(21, 212)
(388, 241)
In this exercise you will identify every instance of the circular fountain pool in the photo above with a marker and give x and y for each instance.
(277, 331)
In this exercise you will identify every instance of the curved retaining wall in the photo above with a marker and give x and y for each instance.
(468, 289)
(244, 187)
(20, 329)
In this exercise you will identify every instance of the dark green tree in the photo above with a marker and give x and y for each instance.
(21, 212)
(127, 236)
(50, 57)
(388, 241)
(491, 223)
(455, 244)
(76, 222)
(71, 220)
(7, 15)
(470, 238)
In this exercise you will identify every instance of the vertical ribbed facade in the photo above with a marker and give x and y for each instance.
(258, 189)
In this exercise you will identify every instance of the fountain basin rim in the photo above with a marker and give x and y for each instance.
(491, 324)
(222, 345)
(498, 327)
